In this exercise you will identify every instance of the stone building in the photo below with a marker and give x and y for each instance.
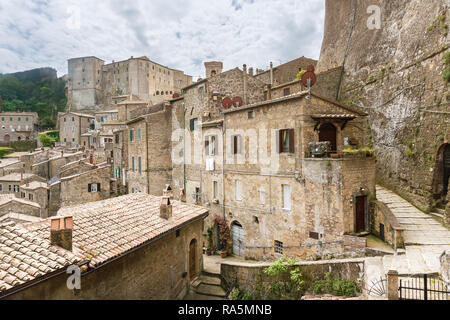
(11, 182)
(18, 210)
(131, 247)
(72, 125)
(285, 72)
(203, 102)
(93, 85)
(149, 150)
(277, 197)
(38, 192)
(105, 116)
(18, 126)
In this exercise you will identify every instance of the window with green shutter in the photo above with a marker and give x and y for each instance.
(18, 119)
(131, 135)
(26, 119)
(3, 118)
(140, 165)
(139, 133)
(132, 164)
(192, 124)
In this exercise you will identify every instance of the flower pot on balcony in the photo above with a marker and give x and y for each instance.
(336, 155)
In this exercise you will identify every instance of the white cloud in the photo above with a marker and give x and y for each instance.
(179, 34)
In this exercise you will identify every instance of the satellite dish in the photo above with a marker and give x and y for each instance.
(227, 103)
(237, 102)
(309, 75)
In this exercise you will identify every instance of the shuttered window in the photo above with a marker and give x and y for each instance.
(211, 146)
(236, 144)
(192, 124)
(131, 135)
(139, 134)
(132, 164)
(287, 91)
(140, 165)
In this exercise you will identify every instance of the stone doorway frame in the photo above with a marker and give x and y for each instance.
(366, 194)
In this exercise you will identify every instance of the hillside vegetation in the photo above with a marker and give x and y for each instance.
(37, 90)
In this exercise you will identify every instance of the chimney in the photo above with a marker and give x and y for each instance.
(271, 73)
(165, 209)
(244, 74)
(250, 71)
(168, 192)
(61, 229)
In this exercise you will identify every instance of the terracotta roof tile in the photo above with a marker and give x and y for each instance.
(105, 229)
(25, 257)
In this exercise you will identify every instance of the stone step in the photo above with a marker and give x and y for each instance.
(210, 290)
(192, 295)
(213, 281)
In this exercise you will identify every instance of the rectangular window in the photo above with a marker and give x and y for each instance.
(139, 165)
(132, 164)
(238, 190)
(286, 189)
(117, 138)
(22, 194)
(26, 119)
(30, 196)
(192, 124)
(94, 187)
(250, 115)
(286, 141)
(265, 95)
(139, 134)
(131, 135)
(1, 187)
(278, 246)
(16, 188)
(215, 190)
(287, 91)
(236, 144)
(9, 187)
(102, 119)
(18, 119)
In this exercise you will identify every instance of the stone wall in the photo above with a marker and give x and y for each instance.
(158, 271)
(393, 232)
(445, 266)
(21, 207)
(74, 189)
(247, 275)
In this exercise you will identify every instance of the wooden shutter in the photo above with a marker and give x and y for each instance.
(291, 141)
(216, 146)
(280, 141)
(98, 187)
(235, 144)
(89, 187)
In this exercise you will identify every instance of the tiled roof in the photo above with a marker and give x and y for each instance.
(108, 228)
(8, 197)
(24, 256)
(34, 185)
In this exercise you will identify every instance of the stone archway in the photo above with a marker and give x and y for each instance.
(441, 175)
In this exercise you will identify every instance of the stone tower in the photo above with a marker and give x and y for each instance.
(213, 67)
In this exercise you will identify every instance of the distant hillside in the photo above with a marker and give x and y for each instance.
(37, 90)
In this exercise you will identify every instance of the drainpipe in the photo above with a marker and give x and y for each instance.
(184, 149)
(146, 160)
(223, 167)
(271, 74)
(244, 80)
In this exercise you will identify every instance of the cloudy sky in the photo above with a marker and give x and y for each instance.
(178, 33)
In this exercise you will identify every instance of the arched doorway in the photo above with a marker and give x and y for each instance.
(327, 132)
(193, 259)
(238, 239)
(441, 177)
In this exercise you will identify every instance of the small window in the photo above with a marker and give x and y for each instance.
(211, 148)
(193, 124)
(131, 135)
(139, 165)
(250, 115)
(30, 196)
(262, 195)
(238, 190)
(287, 91)
(1, 187)
(132, 164)
(117, 138)
(177, 233)
(18, 119)
(139, 134)
(286, 141)
(26, 119)
(16, 188)
(286, 190)
(94, 187)
(10, 187)
(22, 194)
(278, 246)
(102, 119)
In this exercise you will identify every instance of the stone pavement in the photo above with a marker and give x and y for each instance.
(425, 240)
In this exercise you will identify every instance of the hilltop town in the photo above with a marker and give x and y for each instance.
(161, 187)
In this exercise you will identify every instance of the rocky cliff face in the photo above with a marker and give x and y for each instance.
(396, 74)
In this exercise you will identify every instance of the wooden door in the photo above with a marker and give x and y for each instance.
(360, 211)
(327, 132)
(192, 259)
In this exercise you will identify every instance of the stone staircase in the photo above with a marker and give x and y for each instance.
(207, 286)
